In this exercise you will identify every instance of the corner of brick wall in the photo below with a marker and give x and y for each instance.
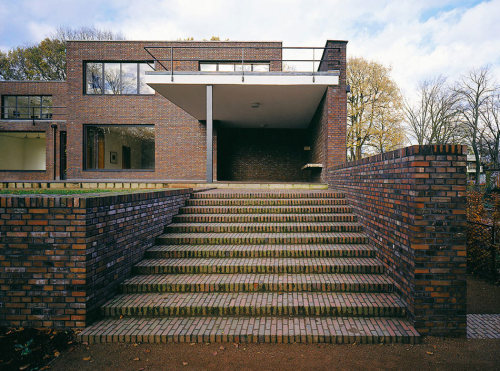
(411, 203)
(63, 256)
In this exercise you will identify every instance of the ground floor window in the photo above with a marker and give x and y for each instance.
(22, 150)
(119, 147)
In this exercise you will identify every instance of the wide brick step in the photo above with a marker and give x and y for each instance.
(339, 330)
(260, 251)
(262, 227)
(269, 194)
(259, 265)
(265, 209)
(266, 202)
(261, 238)
(255, 304)
(258, 282)
(263, 218)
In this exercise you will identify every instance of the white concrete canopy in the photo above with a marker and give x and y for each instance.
(270, 99)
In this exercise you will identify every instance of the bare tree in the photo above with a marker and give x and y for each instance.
(490, 133)
(473, 93)
(434, 118)
(86, 34)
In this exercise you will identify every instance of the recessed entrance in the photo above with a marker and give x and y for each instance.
(275, 155)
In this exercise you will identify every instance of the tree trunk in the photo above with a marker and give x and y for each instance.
(478, 165)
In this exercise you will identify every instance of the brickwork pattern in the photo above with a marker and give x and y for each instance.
(412, 205)
(247, 282)
(271, 271)
(337, 330)
(63, 256)
(261, 154)
(483, 326)
(327, 131)
(255, 304)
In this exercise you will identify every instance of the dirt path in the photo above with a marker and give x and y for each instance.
(434, 353)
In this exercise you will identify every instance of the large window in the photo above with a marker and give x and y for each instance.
(22, 150)
(24, 107)
(233, 66)
(116, 78)
(119, 147)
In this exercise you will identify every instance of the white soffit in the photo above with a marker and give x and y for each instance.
(272, 101)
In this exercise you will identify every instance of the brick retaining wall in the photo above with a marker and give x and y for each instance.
(63, 256)
(412, 204)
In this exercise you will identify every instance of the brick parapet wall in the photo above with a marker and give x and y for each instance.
(411, 203)
(63, 256)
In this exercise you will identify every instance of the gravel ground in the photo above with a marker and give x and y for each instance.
(433, 353)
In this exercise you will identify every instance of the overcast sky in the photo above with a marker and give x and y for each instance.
(420, 39)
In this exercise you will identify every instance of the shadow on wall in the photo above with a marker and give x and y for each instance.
(261, 155)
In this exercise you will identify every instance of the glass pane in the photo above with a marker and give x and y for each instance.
(22, 150)
(112, 78)
(120, 147)
(226, 67)
(129, 78)
(143, 87)
(9, 106)
(23, 111)
(35, 107)
(246, 67)
(208, 67)
(46, 107)
(264, 67)
(94, 78)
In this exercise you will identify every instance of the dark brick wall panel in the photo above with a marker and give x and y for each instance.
(261, 154)
(63, 256)
(411, 203)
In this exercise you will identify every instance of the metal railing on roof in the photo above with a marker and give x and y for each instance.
(243, 55)
(30, 113)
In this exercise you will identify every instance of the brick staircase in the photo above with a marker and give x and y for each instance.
(258, 266)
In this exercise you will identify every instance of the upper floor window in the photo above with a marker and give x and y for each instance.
(233, 66)
(116, 78)
(27, 107)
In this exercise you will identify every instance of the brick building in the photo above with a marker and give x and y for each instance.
(138, 110)
(379, 257)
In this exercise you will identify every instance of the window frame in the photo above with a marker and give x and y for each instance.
(84, 148)
(46, 151)
(40, 107)
(234, 63)
(103, 62)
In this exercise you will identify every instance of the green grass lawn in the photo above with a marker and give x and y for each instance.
(58, 191)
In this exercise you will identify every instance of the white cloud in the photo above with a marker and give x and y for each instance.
(419, 39)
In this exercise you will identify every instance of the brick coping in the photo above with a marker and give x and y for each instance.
(444, 149)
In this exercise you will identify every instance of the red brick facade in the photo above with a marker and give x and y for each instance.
(180, 139)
